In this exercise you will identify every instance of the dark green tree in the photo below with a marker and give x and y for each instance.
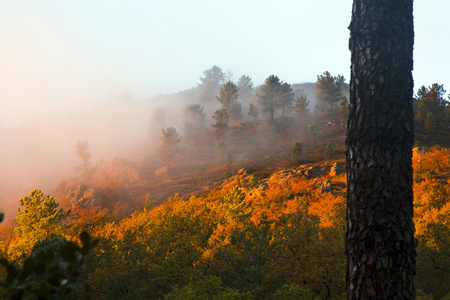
(168, 148)
(380, 243)
(285, 99)
(431, 118)
(330, 151)
(313, 129)
(339, 81)
(253, 111)
(327, 91)
(211, 82)
(343, 110)
(50, 272)
(236, 111)
(228, 94)
(432, 100)
(269, 95)
(245, 86)
(296, 152)
(301, 107)
(221, 117)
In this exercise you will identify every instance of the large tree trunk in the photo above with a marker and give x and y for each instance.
(380, 243)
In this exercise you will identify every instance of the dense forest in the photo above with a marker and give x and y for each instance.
(243, 198)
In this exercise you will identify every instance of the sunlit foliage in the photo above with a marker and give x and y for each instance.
(264, 236)
(38, 219)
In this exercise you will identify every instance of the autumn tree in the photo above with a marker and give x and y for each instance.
(168, 148)
(82, 150)
(269, 94)
(380, 243)
(327, 91)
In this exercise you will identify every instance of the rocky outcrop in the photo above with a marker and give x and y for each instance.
(86, 197)
(309, 171)
(241, 177)
(114, 172)
(337, 169)
(324, 185)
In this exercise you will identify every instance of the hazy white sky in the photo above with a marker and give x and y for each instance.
(57, 54)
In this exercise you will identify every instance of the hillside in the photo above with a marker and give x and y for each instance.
(259, 233)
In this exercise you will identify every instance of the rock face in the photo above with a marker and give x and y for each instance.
(337, 169)
(241, 177)
(312, 172)
(324, 185)
(86, 197)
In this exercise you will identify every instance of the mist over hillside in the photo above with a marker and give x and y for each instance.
(39, 152)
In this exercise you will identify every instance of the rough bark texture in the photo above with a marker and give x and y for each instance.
(380, 231)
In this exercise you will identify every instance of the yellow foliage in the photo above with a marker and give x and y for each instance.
(435, 160)
(330, 209)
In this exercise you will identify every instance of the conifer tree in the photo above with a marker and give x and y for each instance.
(285, 99)
(39, 218)
(168, 146)
(211, 82)
(327, 90)
(221, 117)
(380, 243)
(228, 94)
(269, 94)
(301, 107)
(253, 111)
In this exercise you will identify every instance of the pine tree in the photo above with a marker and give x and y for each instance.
(301, 107)
(380, 243)
(253, 111)
(285, 99)
(296, 152)
(211, 82)
(221, 117)
(168, 147)
(228, 94)
(326, 89)
(269, 94)
(39, 218)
